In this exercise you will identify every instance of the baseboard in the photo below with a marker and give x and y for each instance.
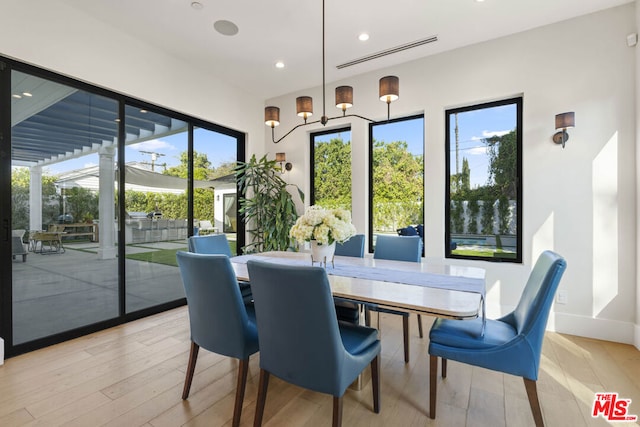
(601, 329)
(1, 351)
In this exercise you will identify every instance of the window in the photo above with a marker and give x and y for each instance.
(484, 174)
(331, 168)
(397, 176)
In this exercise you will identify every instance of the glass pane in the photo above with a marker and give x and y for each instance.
(156, 225)
(65, 272)
(215, 198)
(332, 169)
(398, 176)
(483, 145)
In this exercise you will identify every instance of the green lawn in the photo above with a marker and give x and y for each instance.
(166, 256)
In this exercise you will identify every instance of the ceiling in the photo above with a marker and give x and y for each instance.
(291, 31)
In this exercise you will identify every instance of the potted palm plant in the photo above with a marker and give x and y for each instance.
(267, 207)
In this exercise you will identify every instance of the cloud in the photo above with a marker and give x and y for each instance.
(152, 145)
(477, 151)
(89, 165)
(488, 134)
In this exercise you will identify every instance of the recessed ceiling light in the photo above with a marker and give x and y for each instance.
(226, 28)
(27, 94)
(16, 96)
(279, 64)
(197, 5)
(479, 1)
(363, 37)
(143, 111)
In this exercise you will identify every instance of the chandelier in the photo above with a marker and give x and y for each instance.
(389, 89)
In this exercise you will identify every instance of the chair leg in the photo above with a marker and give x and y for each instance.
(405, 337)
(420, 325)
(375, 383)
(263, 384)
(337, 411)
(191, 367)
(433, 380)
(444, 368)
(532, 393)
(243, 369)
(367, 316)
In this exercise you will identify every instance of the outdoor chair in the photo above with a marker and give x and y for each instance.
(398, 248)
(314, 351)
(218, 319)
(511, 344)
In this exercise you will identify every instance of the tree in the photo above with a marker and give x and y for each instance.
(332, 174)
(503, 164)
(398, 179)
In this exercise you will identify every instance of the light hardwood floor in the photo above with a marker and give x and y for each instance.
(132, 375)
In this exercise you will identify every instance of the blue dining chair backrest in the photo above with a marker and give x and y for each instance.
(353, 247)
(218, 317)
(308, 351)
(210, 244)
(398, 248)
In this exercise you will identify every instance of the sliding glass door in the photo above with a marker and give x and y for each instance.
(98, 192)
(64, 268)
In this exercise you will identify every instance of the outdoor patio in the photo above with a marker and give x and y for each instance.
(57, 292)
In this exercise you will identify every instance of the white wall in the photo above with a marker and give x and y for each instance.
(580, 201)
(60, 38)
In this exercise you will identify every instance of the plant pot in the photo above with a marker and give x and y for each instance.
(322, 253)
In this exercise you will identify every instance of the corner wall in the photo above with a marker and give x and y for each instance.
(580, 201)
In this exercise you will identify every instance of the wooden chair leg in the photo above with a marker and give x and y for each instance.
(444, 368)
(532, 393)
(191, 367)
(375, 383)
(420, 325)
(433, 379)
(243, 369)
(263, 384)
(405, 337)
(337, 411)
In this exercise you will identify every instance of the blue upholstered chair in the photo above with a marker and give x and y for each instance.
(219, 320)
(511, 344)
(399, 248)
(315, 351)
(354, 247)
(218, 244)
(210, 244)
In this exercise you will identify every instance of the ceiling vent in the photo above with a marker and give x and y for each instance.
(389, 51)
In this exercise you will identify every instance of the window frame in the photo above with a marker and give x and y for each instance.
(518, 102)
(312, 162)
(371, 127)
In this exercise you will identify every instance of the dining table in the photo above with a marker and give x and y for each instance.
(432, 287)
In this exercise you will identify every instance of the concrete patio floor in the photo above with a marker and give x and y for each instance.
(58, 292)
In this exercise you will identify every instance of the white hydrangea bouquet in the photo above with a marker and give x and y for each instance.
(325, 226)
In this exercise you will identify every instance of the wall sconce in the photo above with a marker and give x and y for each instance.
(284, 165)
(564, 121)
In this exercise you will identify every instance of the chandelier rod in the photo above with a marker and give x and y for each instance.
(324, 119)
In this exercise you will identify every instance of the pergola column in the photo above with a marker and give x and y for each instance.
(106, 207)
(35, 198)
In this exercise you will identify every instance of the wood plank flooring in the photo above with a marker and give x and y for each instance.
(132, 375)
